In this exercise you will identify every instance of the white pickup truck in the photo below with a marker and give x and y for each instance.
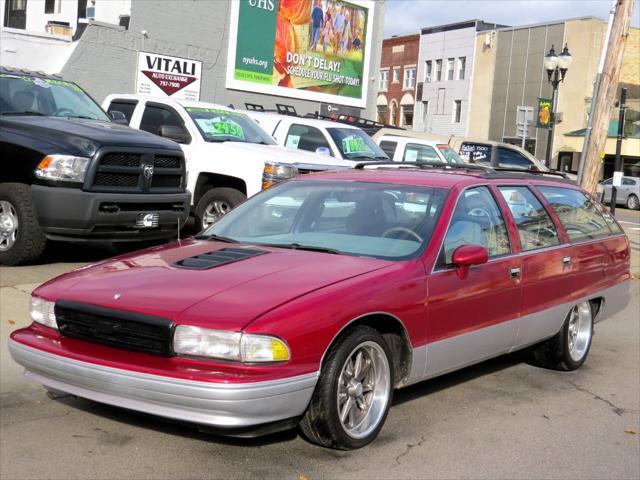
(338, 140)
(228, 156)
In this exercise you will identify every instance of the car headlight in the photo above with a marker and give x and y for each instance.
(225, 345)
(42, 312)
(276, 172)
(63, 167)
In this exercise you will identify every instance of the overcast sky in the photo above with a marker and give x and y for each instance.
(409, 16)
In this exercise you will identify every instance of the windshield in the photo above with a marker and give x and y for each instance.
(351, 218)
(355, 144)
(24, 95)
(218, 125)
(449, 154)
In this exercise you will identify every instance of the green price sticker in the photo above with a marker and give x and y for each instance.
(220, 128)
(353, 144)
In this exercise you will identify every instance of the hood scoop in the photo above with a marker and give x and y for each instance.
(217, 258)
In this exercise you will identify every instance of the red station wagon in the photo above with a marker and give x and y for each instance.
(311, 302)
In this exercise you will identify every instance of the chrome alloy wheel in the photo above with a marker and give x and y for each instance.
(363, 389)
(580, 331)
(214, 212)
(8, 225)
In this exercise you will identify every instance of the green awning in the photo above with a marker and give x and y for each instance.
(631, 128)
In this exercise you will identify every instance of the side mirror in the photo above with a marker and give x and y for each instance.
(323, 151)
(467, 255)
(173, 132)
(118, 117)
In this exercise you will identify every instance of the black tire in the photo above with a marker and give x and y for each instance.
(230, 197)
(29, 240)
(555, 353)
(633, 203)
(321, 423)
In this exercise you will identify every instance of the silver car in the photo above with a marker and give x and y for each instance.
(628, 194)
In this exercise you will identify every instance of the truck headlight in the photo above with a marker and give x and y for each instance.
(63, 168)
(225, 345)
(276, 172)
(42, 312)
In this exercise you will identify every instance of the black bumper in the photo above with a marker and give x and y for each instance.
(73, 214)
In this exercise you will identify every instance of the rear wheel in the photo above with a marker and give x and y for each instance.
(21, 239)
(216, 203)
(568, 350)
(633, 203)
(353, 396)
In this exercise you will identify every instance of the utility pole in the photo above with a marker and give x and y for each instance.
(603, 103)
(617, 169)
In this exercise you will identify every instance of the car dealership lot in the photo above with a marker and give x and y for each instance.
(502, 418)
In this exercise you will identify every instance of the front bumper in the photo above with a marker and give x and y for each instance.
(220, 405)
(73, 214)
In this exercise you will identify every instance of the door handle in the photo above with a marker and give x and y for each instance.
(514, 272)
(566, 261)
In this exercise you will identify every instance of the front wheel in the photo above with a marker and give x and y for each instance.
(568, 350)
(354, 392)
(215, 203)
(633, 203)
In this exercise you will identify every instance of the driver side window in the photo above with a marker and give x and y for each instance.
(476, 220)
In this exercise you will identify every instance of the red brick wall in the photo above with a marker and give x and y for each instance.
(408, 56)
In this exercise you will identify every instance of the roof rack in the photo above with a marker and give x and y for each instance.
(485, 171)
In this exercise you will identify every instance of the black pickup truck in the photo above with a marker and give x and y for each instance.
(70, 172)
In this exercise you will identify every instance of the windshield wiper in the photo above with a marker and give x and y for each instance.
(218, 238)
(27, 112)
(80, 116)
(298, 246)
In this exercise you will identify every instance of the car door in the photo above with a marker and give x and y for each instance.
(473, 318)
(546, 265)
(606, 190)
(125, 106)
(389, 147)
(415, 152)
(306, 137)
(508, 158)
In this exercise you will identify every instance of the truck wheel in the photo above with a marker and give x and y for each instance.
(215, 203)
(568, 350)
(633, 203)
(21, 239)
(353, 394)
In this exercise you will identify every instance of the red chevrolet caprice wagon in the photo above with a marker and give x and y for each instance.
(311, 302)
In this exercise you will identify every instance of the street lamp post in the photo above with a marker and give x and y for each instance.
(556, 67)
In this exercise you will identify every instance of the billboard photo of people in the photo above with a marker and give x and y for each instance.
(315, 49)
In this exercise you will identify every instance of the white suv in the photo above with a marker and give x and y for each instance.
(229, 157)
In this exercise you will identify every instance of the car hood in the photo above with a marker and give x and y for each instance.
(227, 296)
(276, 153)
(83, 137)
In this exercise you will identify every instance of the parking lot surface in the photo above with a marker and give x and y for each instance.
(499, 419)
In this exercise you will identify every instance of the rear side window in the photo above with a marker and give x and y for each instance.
(304, 137)
(511, 159)
(475, 152)
(420, 153)
(389, 148)
(579, 214)
(628, 181)
(122, 106)
(535, 227)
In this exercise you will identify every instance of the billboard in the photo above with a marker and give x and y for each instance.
(308, 49)
(162, 75)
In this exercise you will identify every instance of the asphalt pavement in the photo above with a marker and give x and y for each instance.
(500, 419)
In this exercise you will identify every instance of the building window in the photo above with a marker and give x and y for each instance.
(406, 115)
(396, 74)
(425, 111)
(438, 70)
(382, 113)
(427, 71)
(462, 63)
(52, 6)
(384, 80)
(450, 69)
(457, 110)
(409, 78)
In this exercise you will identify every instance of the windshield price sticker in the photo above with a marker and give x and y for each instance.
(220, 128)
(215, 111)
(354, 144)
(43, 82)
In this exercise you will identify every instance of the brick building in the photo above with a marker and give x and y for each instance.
(397, 80)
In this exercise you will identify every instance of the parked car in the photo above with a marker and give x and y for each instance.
(628, 194)
(229, 157)
(496, 154)
(312, 301)
(406, 146)
(327, 137)
(71, 173)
